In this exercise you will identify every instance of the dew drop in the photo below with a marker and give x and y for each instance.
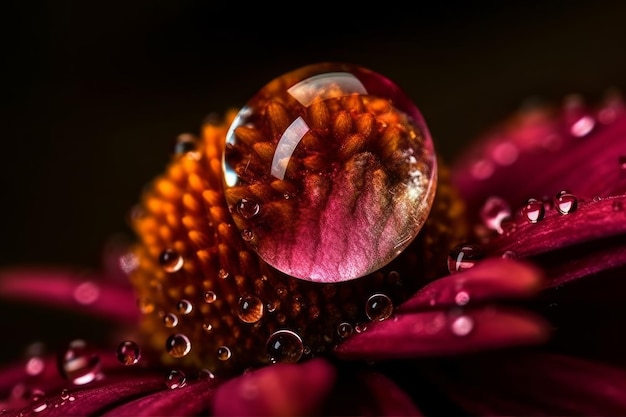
(206, 375)
(207, 327)
(175, 379)
(65, 394)
(378, 307)
(38, 401)
(249, 308)
(35, 366)
(247, 208)
(178, 345)
(344, 330)
(386, 143)
(284, 346)
(360, 327)
(128, 353)
(582, 126)
(210, 297)
(170, 320)
(462, 325)
(224, 353)
(565, 202)
(534, 210)
(184, 306)
(170, 260)
(509, 254)
(462, 298)
(494, 212)
(223, 274)
(78, 363)
(463, 257)
(185, 143)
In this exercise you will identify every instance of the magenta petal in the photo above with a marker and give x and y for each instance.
(89, 294)
(191, 400)
(277, 390)
(489, 279)
(588, 240)
(438, 333)
(391, 400)
(534, 154)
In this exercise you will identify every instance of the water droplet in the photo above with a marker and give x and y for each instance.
(210, 297)
(207, 327)
(509, 254)
(577, 116)
(247, 208)
(175, 379)
(170, 320)
(462, 325)
(250, 308)
(186, 144)
(65, 394)
(184, 306)
(206, 375)
(284, 346)
(287, 134)
(224, 353)
(38, 401)
(505, 153)
(463, 257)
(35, 366)
(178, 345)
(87, 293)
(171, 261)
(360, 327)
(494, 211)
(565, 202)
(378, 307)
(582, 126)
(128, 353)
(247, 235)
(462, 298)
(78, 363)
(534, 210)
(223, 274)
(621, 161)
(344, 330)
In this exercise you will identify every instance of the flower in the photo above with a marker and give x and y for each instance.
(513, 315)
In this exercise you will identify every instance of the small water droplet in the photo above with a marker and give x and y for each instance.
(505, 153)
(170, 320)
(185, 143)
(344, 330)
(224, 353)
(378, 307)
(565, 202)
(178, 345)
(582, 126)
(206, 375)
(247, 208)
(534, 210)
(509, 254)
(184, 306)
(210, 297)
(462, 325)
(38, 401)
(494, 212)
(128, 353)
(171, 261)
(462, 298)
(87, 293)
(247, 235)
(175, 379)
(78, 363)
(65, 394)
(577, 116)
(360, 327)
(284, 346)
(249, 308)
(223, 274)
(463, 257)
(207, 327)
(35, 366)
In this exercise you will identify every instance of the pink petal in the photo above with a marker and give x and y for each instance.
(586, 241)
(489, 279)
(276, 390)
(544, 157)
(536, 384)
(88, 294)
(190, 400)
(438, 333)
(390, 399)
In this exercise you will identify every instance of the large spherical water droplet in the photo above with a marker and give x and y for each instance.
(463, 257)
(224, 353)
(534, 210)
(128, 353)
(178, 345)
(171, 261)
(175, 379)
(170, 320)
(78, 363)
(356, 159)
(565, 202)
(378, 307)
(284, 346)
(249, 308)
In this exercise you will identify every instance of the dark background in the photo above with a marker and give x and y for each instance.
(97, 92)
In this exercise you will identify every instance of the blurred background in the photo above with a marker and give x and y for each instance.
(97, 92)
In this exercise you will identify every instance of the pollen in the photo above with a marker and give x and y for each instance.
(210, 301)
